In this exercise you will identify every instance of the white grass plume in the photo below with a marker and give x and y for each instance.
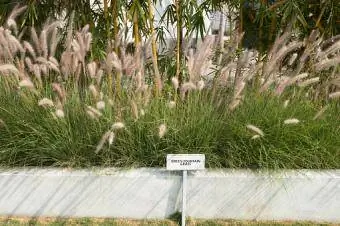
(59, 113)
(118, 126)
(285, 104)
(45, 102)
(175, 82)
(255, 129)
(200, 85)
(93, 91)
(334, 95)
(291, 121)
(100, 105)
(171, 104)
(162, 130)
(8, 68)
(95, 112)
(26, 83)
(309, 82)
(102, 141)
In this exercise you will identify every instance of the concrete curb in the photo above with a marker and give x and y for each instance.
(156, 193)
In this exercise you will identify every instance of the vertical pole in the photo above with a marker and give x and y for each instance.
(184, 196)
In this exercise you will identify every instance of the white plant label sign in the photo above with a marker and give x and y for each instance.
(185, 162)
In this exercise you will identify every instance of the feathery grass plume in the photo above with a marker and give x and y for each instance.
(43, 44)
(11, 19)
(36, 40)
(42, 60)
(59, 113)
(100, 105)
(320, 113)
(29, 64)
(255, 129)
(54, 42)
(88, 41)
(92, 68)
(255, 137)
(334, 95)
(200, 60)
(267, 83)
(309, 82)
(117, 126)
(200, 85)
(60, 91)
(29, 47)
(279, 56)
(91, 114)
(186, 87)
(134, 109)
(239, 88)
(291, 121)
(111, 138)
(285, 104)
(37, 72)
(8, 69)
(45, 102)
(162, 130)
(175, 82)
(102, 141)
(113, 61)
(93, 90)
(285, 81)
(17, 10)
(332, 49)
(292, 59)
(142, 112)
(171, 104)
(94, 111)
(99, 76)
(26, 83)
(298, 78)
(327, 63)
(53, 67)
(234, 104)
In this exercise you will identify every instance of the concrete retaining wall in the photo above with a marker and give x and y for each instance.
(156, 193)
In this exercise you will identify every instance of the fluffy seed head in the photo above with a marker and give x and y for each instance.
(117, 126)
(255, 137)
(162, 130)
(111, 138)
(200, 85)
(45, 102)
(100, 105)
(60, 113)
(102, 141)
(26, 83)
(255, 129)
(171, 104)
(175, 82)
(285, 104)
(334, 95)
(93, 90)
(309, 82)
(94, 111)
(291, 121)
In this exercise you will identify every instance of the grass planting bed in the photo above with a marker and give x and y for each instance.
(61, 106)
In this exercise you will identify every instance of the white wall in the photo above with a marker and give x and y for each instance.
(156, 193)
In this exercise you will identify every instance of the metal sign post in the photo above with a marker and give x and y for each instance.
(185, 162)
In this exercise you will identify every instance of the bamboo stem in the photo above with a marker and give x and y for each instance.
(157, 79)
(179, 39)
